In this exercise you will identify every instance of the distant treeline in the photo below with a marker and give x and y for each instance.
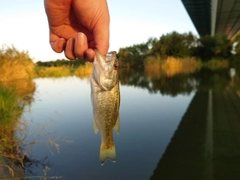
(61, 62)
(179, 45)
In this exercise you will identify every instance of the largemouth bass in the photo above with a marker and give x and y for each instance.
(105, 98)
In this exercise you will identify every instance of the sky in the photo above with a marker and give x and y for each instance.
(24, 24)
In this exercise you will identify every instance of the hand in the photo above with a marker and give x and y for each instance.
(78, 26)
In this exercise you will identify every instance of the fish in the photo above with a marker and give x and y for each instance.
(105, 97)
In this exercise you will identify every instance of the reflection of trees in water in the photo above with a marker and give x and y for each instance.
(181, 83)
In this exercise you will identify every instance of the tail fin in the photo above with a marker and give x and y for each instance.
(107, 154)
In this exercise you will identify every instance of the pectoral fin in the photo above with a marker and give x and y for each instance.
(95, 128)
(117, 125)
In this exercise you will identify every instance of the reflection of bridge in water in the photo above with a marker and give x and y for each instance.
(206, 144)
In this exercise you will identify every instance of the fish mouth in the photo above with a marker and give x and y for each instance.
(111, 59)
(110, 56)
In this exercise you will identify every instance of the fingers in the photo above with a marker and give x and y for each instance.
(81, 49)
(69, 50)
(74, 47)
(80, 45)
(90, 54)
(58, 45)
(101, 33)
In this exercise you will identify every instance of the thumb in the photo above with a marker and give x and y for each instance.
(101, 37)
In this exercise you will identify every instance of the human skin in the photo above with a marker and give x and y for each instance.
(78, 26)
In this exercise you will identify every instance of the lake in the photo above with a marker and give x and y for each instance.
(181, 127)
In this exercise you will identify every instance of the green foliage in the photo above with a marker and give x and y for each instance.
(213, 47)
(134, 55)
(60, 62)
(173, 44)
(9, 106)
(237, 47)
(177, 45)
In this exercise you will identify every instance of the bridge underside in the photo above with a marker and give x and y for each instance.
(214, 17)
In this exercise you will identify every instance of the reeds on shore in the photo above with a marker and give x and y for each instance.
(15, 64)
(9, 106)
(155, 66)
(84, 71)
(60, 71)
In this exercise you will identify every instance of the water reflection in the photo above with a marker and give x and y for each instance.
(181, 127)
(181, 83)
(206, 144)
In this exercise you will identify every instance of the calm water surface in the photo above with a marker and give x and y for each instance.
(181, 135)
(62, 111)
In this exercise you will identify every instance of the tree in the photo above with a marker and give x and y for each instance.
(173, 44)
(134, 55)
(237, 47)
(213, 47)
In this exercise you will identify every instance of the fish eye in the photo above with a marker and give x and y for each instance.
(115, 66)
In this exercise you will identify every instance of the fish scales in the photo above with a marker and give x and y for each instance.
(105, 98)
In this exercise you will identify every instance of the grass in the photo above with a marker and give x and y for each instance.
(155, 66)
(60, 71)
(17, 71)
(9, 106)
(12, 144)
(10, 111)
(84, 71)
(22, 87)
(15, 64)
(172, 66)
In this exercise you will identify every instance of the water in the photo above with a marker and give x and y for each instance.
(188, 132)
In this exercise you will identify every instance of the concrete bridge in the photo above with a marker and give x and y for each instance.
(214, 17)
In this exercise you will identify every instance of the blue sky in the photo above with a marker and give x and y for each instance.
(24, 24)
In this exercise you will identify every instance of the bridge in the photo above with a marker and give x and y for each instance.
(214, 17)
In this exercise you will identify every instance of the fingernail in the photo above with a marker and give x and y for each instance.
(80, 39)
